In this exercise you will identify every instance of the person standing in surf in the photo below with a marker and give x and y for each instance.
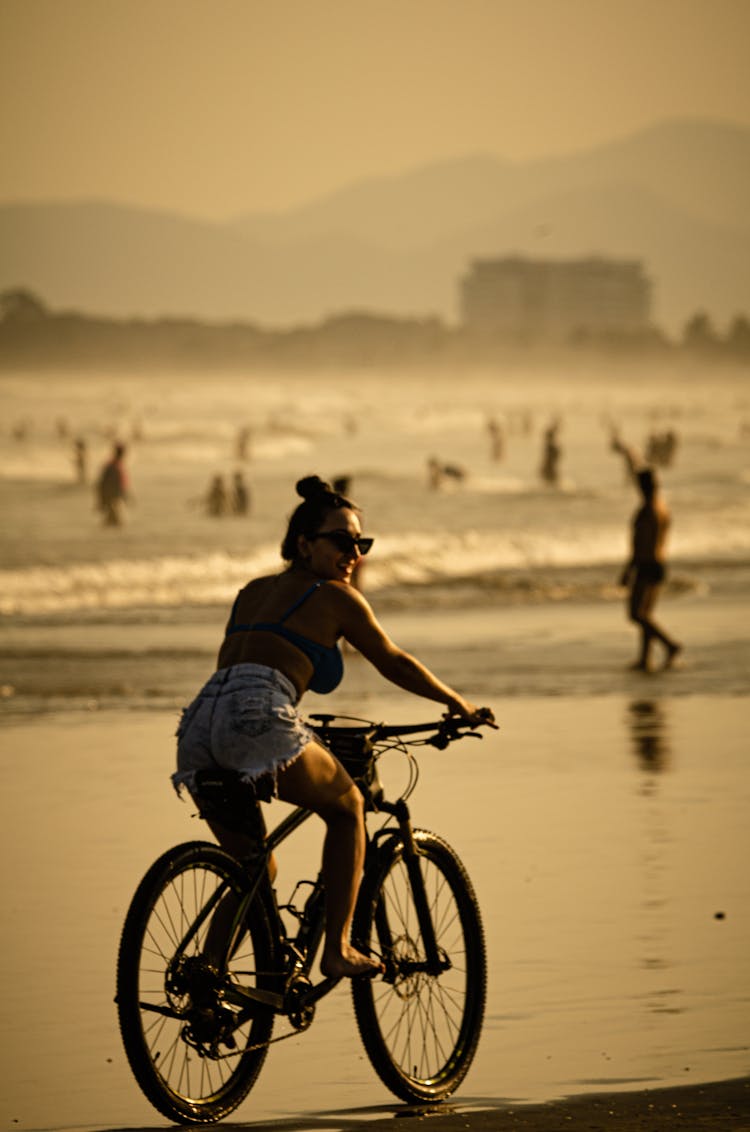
(645, 572)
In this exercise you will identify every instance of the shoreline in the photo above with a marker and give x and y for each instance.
(493, 652)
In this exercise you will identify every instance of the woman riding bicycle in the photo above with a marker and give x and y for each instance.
(281, 639)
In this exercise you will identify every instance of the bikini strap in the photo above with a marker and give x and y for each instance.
(301, 601)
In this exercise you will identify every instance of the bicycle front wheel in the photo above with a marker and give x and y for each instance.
(421, 1029)
(193, 1054)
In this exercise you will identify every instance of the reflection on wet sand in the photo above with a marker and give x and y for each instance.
(647, 720)
(648, 725)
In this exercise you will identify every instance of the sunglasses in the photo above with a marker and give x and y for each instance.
(345, 542)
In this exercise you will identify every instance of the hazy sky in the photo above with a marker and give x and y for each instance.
(215, 107)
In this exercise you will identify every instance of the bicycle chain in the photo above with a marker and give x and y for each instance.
(258, 1045)
(251, 1049)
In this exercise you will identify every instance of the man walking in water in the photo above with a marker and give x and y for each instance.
(645, 571)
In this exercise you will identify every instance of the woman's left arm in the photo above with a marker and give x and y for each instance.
(360, 627)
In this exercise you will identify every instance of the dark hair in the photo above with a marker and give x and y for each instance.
(318, 498)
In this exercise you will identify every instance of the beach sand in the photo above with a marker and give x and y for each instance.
(607, 839)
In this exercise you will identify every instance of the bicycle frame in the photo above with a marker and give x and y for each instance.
(313, 920)
(302, 949)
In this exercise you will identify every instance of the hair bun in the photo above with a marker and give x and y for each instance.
(312, 486)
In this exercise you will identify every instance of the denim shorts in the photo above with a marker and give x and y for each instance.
(243, 719)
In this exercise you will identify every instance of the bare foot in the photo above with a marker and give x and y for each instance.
(351, 965)
(673, 652)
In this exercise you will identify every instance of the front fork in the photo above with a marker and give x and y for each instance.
(435, 961)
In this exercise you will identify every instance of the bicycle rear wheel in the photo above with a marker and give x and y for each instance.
(194, 1056)
(420, 1030)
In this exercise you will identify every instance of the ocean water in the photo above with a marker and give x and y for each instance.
(498, 536)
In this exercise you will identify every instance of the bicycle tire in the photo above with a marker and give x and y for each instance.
(177, 1034)
(421, 1031)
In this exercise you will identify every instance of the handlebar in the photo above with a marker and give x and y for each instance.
(359, 743)
(442, 731)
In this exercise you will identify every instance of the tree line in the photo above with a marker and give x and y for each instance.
(32, 334)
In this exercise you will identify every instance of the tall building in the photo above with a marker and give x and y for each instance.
(555, 300)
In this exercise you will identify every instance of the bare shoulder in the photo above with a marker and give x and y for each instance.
(256, 585)
(356, 622)
(343, 594)
(346, 601)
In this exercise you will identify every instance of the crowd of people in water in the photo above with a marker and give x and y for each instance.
(225, 497)
(228, 494)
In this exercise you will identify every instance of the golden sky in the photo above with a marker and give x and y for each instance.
(216, 107)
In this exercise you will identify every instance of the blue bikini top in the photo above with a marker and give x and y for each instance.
(328, 666)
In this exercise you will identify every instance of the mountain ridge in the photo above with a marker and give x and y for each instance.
(673, 195)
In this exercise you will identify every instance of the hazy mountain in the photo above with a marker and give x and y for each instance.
(702, 168)
(674, 195)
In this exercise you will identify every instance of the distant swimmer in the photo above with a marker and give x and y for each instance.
(645, 571)
(216, 499)
(80, 460)
(240, 495)
(113, 488)
(496, 433)
(551, 455)
(243, 443)
(437, 473)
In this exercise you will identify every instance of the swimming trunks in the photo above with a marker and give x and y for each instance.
(651, 572)
(328, 666)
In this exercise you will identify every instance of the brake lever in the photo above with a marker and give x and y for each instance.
(443, 740)
(439, 741)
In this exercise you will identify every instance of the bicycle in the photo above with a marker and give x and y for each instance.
(205, 963)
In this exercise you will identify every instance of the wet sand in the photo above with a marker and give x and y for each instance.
(607, 839)
(718, 1107)
(722, 1106)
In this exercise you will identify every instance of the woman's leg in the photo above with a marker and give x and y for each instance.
(317, 781)
(242, 847)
